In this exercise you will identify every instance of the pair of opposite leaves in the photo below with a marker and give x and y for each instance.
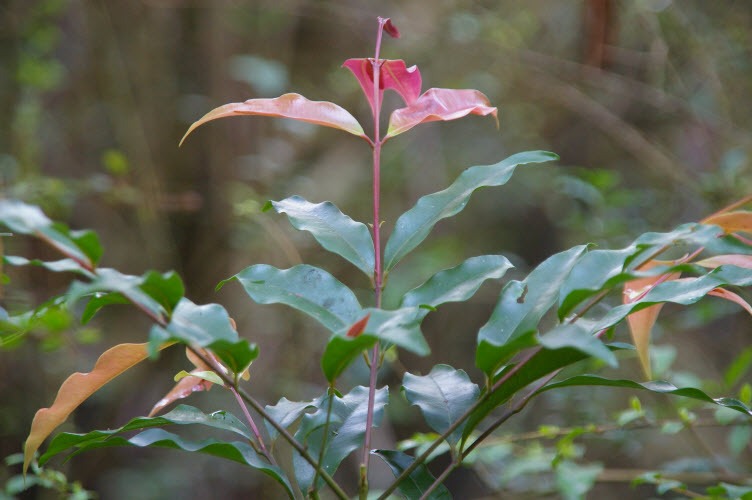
(433, 105)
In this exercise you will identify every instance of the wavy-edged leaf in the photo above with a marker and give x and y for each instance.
(293, 106)
(413, 226)
(657, 386)
(346, 430)
(394, 75)
(458, 283)
(334, 230)
(541, 364)
(286, 412)
(208, 326)
(514, 321)
(237, 451)
(57, 266)
(443, 395)
(732, 222)
(417, 482)
(439, 104)
(305, 288)
(400, 327)
(574, 336)
(77, 388)
(82, 246)
(641, 322)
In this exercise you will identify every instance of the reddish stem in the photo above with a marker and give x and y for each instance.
(377, 278)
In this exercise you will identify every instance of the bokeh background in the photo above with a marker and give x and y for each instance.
(647, 102)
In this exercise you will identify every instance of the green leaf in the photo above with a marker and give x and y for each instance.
(236, 451)
(346, 430)
(458, 283)
(22, 218)
(334, 230)
(541, 364)
(306, 288)
(522, 304)
(286, 412)
(400, 327)
(209, 376)
(658, 386)
(414, 225)
(682, 292)
(417, 482)
(578, 338)
(573, 481)
(443, 395)
(57, 266)
(167, 288)
(206, 326)
(341, 351)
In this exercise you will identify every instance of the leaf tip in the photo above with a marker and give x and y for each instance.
(389, 27)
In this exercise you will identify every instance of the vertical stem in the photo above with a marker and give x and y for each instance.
(376, 65)
(254, 429)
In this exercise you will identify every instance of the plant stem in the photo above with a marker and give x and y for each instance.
(455, 463)
(254, 429)
(376, 143)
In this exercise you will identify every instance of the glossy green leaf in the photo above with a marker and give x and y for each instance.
(543, 363)
(658, 386)
(237, 451)
(400, 327)
(166, 288)
(19, 217)
(417, 482)
(458, 283)
(206, 326)
(578, 338)
(334, 230)
(414, 225)
(286, 412)
(306, 288)
(346, 430)
(514, 321)
(341, 351)
(443, 395)
(682, 292)
(57, 266)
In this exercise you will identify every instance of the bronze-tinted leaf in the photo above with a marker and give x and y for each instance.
(729, 259)
(439, 104)
(293, 106)
(641, 322)
(359, 326)
(732, 222)
(77, 388)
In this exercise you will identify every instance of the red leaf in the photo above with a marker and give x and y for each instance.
(390, 28)
(358, 327)
(394, 75)
(439, 104)
(184, 388)
(293, 106)
(725, 294)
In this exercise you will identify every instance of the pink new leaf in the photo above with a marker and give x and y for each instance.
(293, 106)
(394, 75)
(187, 385)
(390, 28)
(440, 104)
(729, 259)
(728, 295)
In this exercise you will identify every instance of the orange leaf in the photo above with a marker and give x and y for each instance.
(732, 222)
(641, 322)
(732, 259)
(77, 388)
(358, 327)
(293, 106)
(439, 104)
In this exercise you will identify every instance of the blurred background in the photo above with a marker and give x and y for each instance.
(647, 103)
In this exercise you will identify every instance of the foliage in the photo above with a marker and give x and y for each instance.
(542, 324)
